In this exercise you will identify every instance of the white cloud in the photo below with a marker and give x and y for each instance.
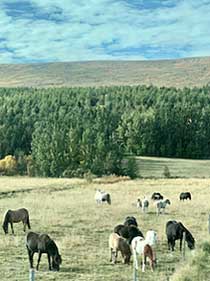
(104, 29)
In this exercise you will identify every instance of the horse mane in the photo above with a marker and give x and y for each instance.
(52, 247)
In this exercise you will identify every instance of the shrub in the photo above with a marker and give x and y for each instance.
(166, 172)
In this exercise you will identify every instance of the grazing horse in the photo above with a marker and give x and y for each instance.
(14, 216)
(141, 247)
(161, 205)
(130, 220)
(128, 232)
(156, 196)
(139, 203)
(102, 196)
(145, 205)
(118, 243)
(174, 231)
(42, 243)
(184, 196)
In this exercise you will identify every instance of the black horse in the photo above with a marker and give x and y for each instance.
(42, 243)
(174, 231)
(128, 231)
(157, 196)
(130, 220)
(184, 196)
(14, 216)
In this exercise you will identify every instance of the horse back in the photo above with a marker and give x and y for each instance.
(32, 241)
(173, 230)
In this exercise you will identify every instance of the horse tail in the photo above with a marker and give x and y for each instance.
(28, 222)
(6, 220)
(109, 199)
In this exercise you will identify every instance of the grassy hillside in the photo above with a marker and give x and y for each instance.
(153, 167)
(66, 210)
(180, 73)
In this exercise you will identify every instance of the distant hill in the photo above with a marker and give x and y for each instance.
(179, 73)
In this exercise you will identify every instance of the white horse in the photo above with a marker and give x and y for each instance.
(145, 205)
(161, 205)
(151, 237)
(102, 196)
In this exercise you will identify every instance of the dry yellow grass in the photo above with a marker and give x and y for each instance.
(66, 210)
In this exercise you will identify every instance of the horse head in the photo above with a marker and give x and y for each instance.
(190, 240)
(167, 201)
(56, 261)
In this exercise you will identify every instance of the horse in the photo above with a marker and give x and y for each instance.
(161, 205)
(42, 243)
(128, 231)
(102, 196)
(174, 231)
(145, 205)
(130, 220)
(151, 237)
(14, 216)
(139, 203)
(118, 243)
(184, 196)
(141, 247)
(156, 196)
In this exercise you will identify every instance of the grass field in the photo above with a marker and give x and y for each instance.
(189, 72)
(65, 209)
(153, 167)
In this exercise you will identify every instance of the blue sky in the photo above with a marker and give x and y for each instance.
(81, 30)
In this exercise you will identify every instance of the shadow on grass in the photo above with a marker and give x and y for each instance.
(74, 269)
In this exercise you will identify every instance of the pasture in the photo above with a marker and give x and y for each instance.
(66, 210)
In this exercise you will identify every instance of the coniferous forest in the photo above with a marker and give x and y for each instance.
(72, 131)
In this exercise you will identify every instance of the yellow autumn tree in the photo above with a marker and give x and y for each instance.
(8, 165)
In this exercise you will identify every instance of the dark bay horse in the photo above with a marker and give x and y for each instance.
(128, 231)
(174, 231)
(42, 243)
(14, 216)
(184, 196)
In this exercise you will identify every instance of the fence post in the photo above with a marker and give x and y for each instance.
(31, 274)
(184, 245)
(209, 224)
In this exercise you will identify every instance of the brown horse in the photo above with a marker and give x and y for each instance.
(42, 243)
(14, 216)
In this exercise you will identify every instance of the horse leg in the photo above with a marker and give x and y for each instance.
(115, 256)
(169, 242)
(180, 244)
(39, 258)
(30, 255)
(49, 262)
(143, 262)
(135, 259)
(24, 226)
(111, 255)
(172, 245)
(12, 228)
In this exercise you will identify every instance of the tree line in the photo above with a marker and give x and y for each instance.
(72, 131)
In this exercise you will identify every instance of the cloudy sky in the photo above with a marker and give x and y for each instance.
(81, 30)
